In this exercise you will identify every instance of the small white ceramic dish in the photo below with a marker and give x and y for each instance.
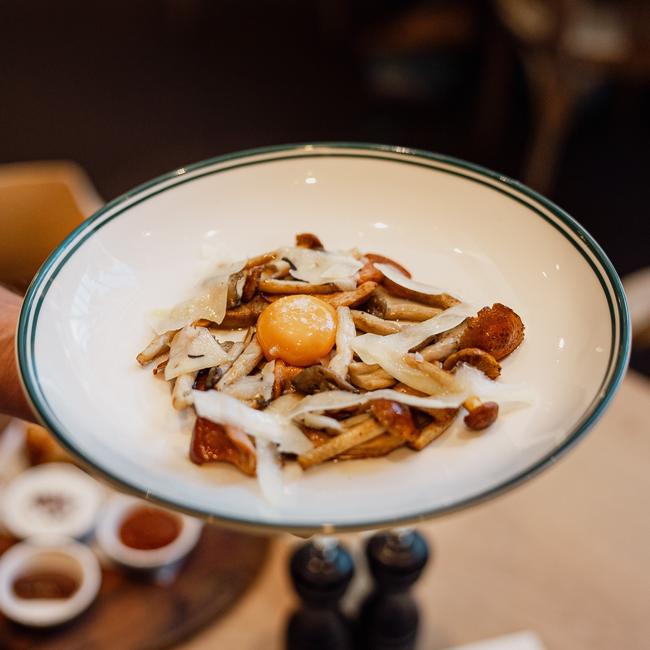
(108, 537)
(48, 555)
(479, 235)
(51, 499)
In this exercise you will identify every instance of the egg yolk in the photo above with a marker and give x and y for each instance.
(298, 329)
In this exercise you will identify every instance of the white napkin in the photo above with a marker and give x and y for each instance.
(517, 641)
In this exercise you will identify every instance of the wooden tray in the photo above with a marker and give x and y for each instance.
(131, 613)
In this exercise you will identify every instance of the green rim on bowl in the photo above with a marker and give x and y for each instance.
(545, 209)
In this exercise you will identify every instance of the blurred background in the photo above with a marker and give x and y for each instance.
(551, 92)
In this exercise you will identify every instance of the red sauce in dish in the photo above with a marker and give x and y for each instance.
(147, 528)
(45, 584)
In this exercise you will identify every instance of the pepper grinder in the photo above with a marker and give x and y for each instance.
(388, 618)
(321, 571)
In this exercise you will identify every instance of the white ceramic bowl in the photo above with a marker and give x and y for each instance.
(49, 554)
(51, 499)
(109, 541)
(482, 236)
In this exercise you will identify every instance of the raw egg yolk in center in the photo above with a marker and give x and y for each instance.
(298, 329)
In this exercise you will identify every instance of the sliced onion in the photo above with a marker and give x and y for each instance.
(193, 349)
(224, 409)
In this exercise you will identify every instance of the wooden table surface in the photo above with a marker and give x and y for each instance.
(566, 555)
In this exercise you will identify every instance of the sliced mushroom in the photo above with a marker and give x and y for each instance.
(497, 330)
(445, 379)
(251, 284)
(276, 269)
(442, 419)
(440, 300)
(369, 272)
(480, 414)
(308, 240)
(382, 445)
(369, 323)
(351, 298)
(260, 260)
(381, 259)
(369, 376)
(390, 307)
(476, 357)
(444, 344)
(395, 417)
(161, 364)
(294, 286)
(317, 379)
(159, 345)
(352, 437)
(283, 375)
(245, 315)
(208, 378)
(243, 365)
(235, 289)
(212, 442)
(322, 422)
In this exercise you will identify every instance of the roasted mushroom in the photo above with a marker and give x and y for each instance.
(391, 307)
(370, 323)
(476, 357)
(245, 315)
(441, 420)
(317, 379)
(370, 376)
(480, 414)
(395, 417)
(309, 240)
(294, 286)
(440, 300)
(497, 330)
(213, 442)
(444, 344)
(382, 259)
(382, 445)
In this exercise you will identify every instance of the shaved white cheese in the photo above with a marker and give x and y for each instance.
(284, 404)
(339, 399)
(345, 333)
(269, 471)
(209, 303)
(193, 349)
(246, 388)
(509, 396)
(399, 278)
(374, 349)
(223, 336)
(415, 334)
(318, 267)
(316, 421)
(471, 380)
(224, 409)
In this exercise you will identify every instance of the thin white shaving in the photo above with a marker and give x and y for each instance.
(224, 409)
